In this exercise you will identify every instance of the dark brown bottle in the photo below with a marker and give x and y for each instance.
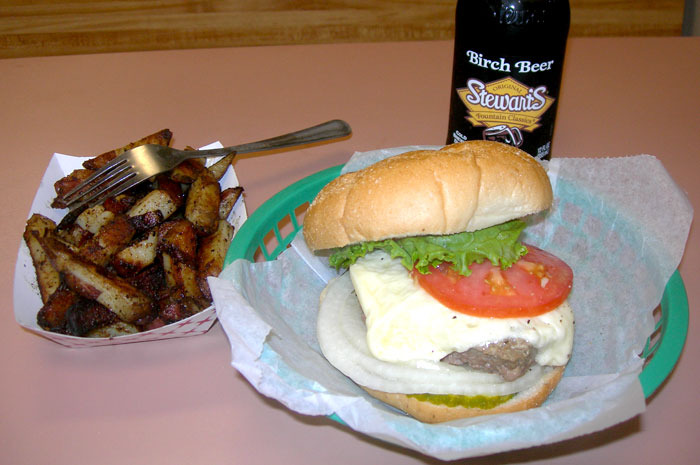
(508, 61)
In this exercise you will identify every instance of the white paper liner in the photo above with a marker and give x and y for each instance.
(27, 300)
(621, 255)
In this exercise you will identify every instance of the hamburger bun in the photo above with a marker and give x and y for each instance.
(462, 187)
(428, 412)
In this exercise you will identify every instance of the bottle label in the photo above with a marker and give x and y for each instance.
(506, 99)
(504, 107)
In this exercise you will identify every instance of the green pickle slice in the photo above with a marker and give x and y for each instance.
(451, 400)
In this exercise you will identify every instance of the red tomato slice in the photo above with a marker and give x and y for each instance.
(535, 284)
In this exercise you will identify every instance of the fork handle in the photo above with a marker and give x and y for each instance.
(333, 129)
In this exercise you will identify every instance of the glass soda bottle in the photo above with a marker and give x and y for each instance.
(508, 60)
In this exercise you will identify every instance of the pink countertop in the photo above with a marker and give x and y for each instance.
(179, 401)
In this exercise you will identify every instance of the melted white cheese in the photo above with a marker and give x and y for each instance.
(342, 339)
(405, 323)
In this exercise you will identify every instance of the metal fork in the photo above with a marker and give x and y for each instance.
(140, 163)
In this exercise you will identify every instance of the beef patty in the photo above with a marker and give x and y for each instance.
(510, 358)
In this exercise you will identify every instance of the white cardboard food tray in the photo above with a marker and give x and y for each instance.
(27, 300)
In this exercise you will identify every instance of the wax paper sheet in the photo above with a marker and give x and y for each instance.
(600, 224)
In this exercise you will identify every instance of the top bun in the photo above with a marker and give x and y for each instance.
(461, 187)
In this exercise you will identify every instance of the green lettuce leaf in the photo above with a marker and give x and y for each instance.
(499, 244)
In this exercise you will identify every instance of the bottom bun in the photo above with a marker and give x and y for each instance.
(428, 412)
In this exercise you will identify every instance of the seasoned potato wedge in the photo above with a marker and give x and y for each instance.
(52, 315)
(187, 171)
(89, 281)
(73, 235)
(177, 242)
(67, 183)
(92, 219)
(156, 200)
(161, 137)
(219, 168)
(178, 238)
(229, 197)
(137, 256)
(47, 277)
(109, 240)
(181, 275)
(202, 206)
(211, 255)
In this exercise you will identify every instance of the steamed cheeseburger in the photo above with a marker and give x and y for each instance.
(443, 312)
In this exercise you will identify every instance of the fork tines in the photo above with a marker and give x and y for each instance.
(112, 179)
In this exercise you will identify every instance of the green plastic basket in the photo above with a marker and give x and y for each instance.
(278, 217)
